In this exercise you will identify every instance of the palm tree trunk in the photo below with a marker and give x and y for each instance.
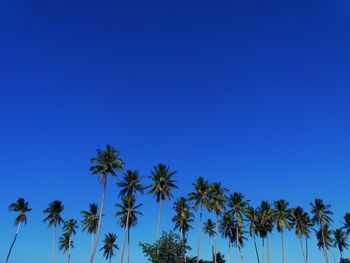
(129, 245)
(262, 252)
(268, 249)
(92, 241)
(216, 236)
(324, 245)
(212, 249)
(256, 249)
(302, 249)
(307, 250)
(229, 253)
(282, 246)
(99, 219)
(124, 240)
(69, 249)
(199, 233)
(159, 216)
(13, 242)
(54, 245)
(237, 250)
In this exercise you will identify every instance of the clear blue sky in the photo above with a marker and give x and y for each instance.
(254, 94)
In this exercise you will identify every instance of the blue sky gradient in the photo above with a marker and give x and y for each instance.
(254, 94)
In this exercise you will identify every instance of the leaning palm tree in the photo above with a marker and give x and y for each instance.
(226, 230)
(321, 217)
(340, 241)
(105, 163)
(183, 217)
(324, 238)
(69, 229)
(283, 217)
(22, 208)
(53, 219)
(238, 207)
(201, 197)
(218, 202)
(65, 244)
(161, 186)
(252, 218)
(90, 221)
(130, 184)
(109, 246)
(210, 231)
(346, 223)
(127, 213)
(265, 225)
(302, 224)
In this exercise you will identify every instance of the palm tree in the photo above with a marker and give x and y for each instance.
(105, 163)
(324, 238)
(201, 197)
(209, 229)
(321, 217)
(238, 208)
(240, 238)
(346, 223)
(90, 221)
(340, 241)
(130, 184)
(69, 229)
(161, 186)
(65, 244)
(22, 208)
(183, 216)
(218, 202)
(303, 225)
(53, 219)
(252, 218)
(109, 246)
(284, 219)
(226, 230)
(265, 225)
(128, 218)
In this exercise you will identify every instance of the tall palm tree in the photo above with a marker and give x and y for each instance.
(69, 229)
(201, 197)
(161, 186)
(183, 217)
(238, 207)
(321, 216)
(90, 221)
(22, 208)
(109, 246)
(324, 238)
(265, 225)
(346, 223)
(303, 225)
(127, 213)
(65, 244)
(210, 231)
(252, 218)
(340, 241)
(218, 202)
(53, 219)
(283, 217)
(226, 230)
(105, 163)
(130, 184)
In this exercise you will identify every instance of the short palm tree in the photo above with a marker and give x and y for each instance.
(265, 224)
(105, 163)
(324, 238)
(283, 217)
(130, 184)
(321, 216)
(127, 213)
(209, 229)
(303, 225)
(53, 219)
(65, 244)
(22, 208)
(109, 246)
(340, 241)
(252, 218)
(238, 207)
(161, 187)
(90, 221)
(183, 216)
(218, 202)
(226, 230)
(346, 223)
(201, 197)
(69, 229)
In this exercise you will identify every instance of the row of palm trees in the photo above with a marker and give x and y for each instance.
(234, 217)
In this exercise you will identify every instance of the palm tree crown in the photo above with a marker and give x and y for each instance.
(283, 215)
(321, 212)
(128, 208)
(63, 243)
(324, 237)
(90, 219)
(340, 240)
(21, 207)
(302, 223)
(218, 198)
(238, 207)
(54, 213)
(346, 223)
(183, 216)
(130, 184)
(201, 195)
(70, 227)
(209, 228)
(109, 246)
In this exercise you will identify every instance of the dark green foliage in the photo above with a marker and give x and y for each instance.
(344, 260)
